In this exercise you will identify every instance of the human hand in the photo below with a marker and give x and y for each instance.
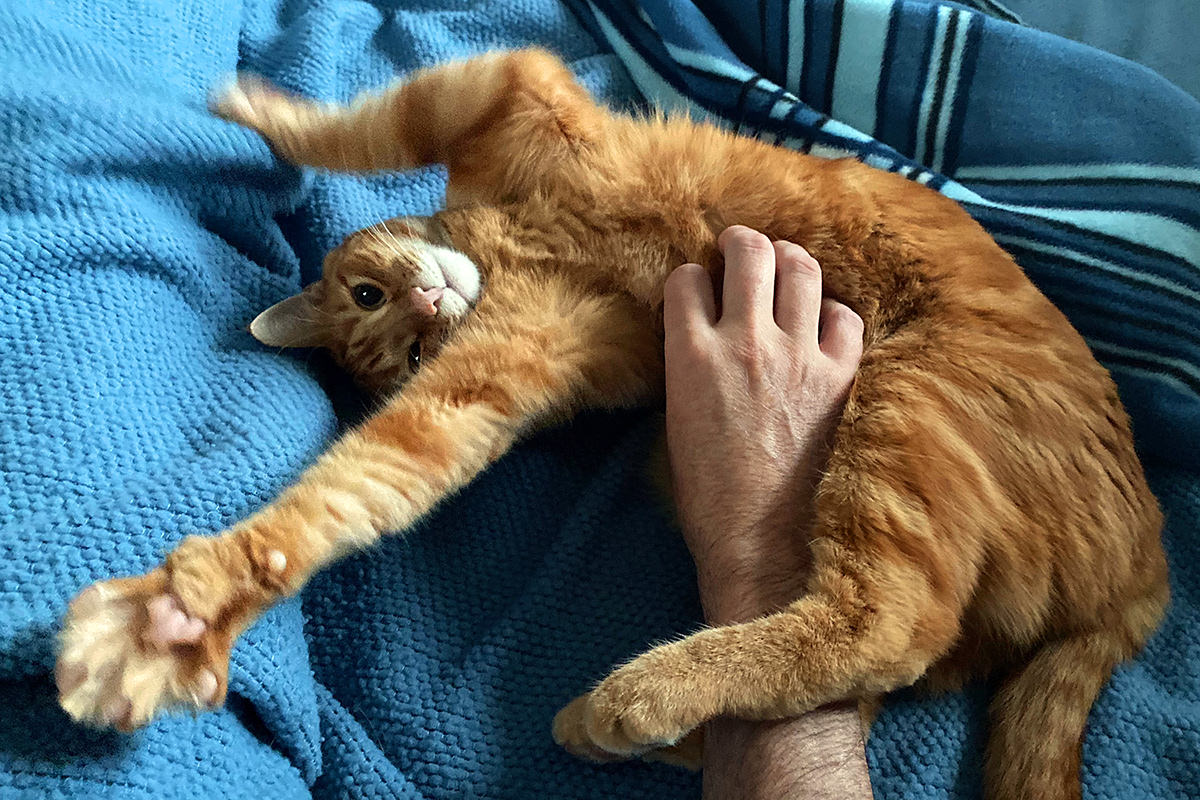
(752, 399)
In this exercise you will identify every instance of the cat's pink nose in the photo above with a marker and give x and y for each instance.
(425, 300)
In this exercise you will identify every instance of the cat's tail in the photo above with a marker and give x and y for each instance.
(1039, 714)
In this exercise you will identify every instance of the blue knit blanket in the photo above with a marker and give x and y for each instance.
(138, 235)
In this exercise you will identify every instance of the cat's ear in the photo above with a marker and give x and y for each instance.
(289, 323)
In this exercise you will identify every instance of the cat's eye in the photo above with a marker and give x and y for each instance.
(414, 356)
(367, 295)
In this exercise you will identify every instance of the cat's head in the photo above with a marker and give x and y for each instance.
(389, 297)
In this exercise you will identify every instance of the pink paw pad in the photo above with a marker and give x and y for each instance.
(68, 677)
(118, 712)
(170, 624)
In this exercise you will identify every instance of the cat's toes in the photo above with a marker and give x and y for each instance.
(625, 716)
(246, 100)
(635, 710)
(570, 733)
(629, 725)
(129, 650)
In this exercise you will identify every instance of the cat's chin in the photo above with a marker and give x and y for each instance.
(459, 272)
(453, 305)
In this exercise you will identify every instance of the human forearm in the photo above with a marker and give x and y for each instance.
(753, 397)
(815, 756)
(819, 755)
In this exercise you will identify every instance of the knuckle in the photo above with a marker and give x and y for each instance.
(840, 371)
(674, 284)
(697, 350)
(844, 314)
(794, 257)
(684, 271)
(751, 345)
(742, 238)
(840, 316)
(679, 283)
(750, 348)
(690, 349)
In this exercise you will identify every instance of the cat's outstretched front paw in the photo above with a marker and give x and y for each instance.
(133, 647)
(633, 712)
(129, 649)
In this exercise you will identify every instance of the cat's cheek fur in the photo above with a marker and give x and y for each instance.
(459, 272)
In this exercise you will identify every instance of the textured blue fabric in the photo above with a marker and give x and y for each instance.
(138, 235)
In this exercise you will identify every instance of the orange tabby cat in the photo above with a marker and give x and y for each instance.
(983, 508)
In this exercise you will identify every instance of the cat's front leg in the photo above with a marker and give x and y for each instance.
(535, 348)
(133, 647)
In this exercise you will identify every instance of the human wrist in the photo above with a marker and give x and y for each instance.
(731, 597)
(814, 756)
(748, 574)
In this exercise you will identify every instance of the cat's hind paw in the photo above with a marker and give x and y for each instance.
(249, 100)
(633, 711)
(129, 649)
(570, 733)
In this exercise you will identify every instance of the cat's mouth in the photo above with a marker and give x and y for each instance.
(459, 273)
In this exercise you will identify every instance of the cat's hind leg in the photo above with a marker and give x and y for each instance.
(869, 625)
(497, 120)
(688, 752)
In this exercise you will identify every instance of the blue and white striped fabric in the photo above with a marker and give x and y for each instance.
(1086, 168)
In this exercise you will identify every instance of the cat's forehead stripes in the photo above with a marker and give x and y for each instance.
(428, 290)
(397, 262)
(371, 255)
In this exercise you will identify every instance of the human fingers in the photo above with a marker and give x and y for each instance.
(748, 289)
(797, 291)
(841, 333)
(688, 300)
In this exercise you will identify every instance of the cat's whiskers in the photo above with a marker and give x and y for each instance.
(341, 147)
(394, 247)
(376, 236)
